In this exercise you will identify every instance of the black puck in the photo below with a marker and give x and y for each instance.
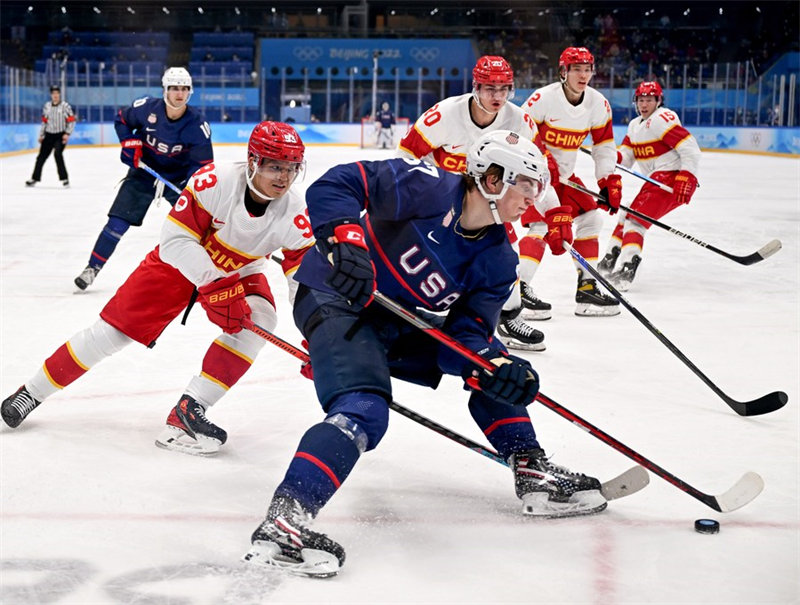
(706, 526)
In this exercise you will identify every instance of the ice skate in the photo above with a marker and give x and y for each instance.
(189, 431)
(516, 334)
(623, 278)
(65, 183)
(606, 266)
(550, 491)
(17, 407)
(591, 302)
(31, 182)
(532, 306)
(86, 278)
(283, 541)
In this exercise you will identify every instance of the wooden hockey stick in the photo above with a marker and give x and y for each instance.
(765, 251)
(629, 482)
(742, 492)
(763, 405)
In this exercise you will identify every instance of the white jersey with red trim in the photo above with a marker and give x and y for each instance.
(564, 126)
(660, 143)
(209, 233)
(443, 134)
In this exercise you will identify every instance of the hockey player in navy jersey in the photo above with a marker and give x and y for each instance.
(429, 239)
(384, 121)
(170, 137)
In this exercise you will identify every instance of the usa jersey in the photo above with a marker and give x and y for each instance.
(444, 133)
(660, 143)
(422, 256)
(175, 149)
(564, 126)
(386, 119)
(211, 212)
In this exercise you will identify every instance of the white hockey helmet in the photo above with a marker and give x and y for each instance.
(176, 76)
(516, 155)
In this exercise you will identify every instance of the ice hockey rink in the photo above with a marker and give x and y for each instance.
(94, 513)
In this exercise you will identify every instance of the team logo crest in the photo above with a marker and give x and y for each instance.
(288, 137)
(152, 119)
(512, 138)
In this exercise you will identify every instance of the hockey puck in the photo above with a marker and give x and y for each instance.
(706, 526)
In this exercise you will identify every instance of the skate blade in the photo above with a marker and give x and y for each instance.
(535, 315)
(315, 564)
(587, 502)
(177, 440)
(522, 346)
(589, 310)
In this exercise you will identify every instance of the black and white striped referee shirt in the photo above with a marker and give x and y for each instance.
(57, 119)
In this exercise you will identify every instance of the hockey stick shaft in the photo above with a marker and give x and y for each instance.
(154, 174)
(767, 403)
(764, 252)
(627, 483)
(725, 503)
(418, 418)
(658, 184)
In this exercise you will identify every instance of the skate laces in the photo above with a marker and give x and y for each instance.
(545, 462)
(521, 327)
(24, 403)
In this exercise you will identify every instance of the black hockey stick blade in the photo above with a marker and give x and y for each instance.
(763, 405)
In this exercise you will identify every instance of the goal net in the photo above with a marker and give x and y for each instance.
(370, 130)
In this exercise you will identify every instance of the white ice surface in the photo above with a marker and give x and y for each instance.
(92, 512)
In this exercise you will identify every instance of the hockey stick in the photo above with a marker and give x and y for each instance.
(743, 491)
(629, 482)
(658, 184)
(153, 173)
(763, 405)
(765, 251)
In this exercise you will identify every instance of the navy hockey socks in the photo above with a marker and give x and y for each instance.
(323, 460)
(107, 241)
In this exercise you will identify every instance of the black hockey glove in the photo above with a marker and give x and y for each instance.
(353, 274)
(514, 382)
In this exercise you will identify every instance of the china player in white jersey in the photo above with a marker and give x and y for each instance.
(443, 134)
(667, 153)
(566, 112)
(214, 242)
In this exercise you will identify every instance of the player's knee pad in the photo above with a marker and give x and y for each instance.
(587, 225)
(98, 341)
(364, 417)
(116, 227)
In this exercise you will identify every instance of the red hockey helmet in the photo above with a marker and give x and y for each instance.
(648, 89)
(491, 69)
(276, 141)
(575, 55)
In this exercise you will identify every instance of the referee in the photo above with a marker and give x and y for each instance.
(58, 122)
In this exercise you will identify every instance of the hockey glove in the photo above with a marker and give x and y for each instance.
(684, 186)
(353, 274)
(514, 382)
(559, 228)
(224, 302)
(611, 190)
(131, 152)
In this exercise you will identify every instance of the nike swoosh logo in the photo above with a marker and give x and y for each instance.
(217, 222)
(433, 239)
(150, 129)
(454, 147)
(554, 120)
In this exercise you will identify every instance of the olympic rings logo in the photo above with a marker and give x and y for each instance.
(307, 53)
(424, 54)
